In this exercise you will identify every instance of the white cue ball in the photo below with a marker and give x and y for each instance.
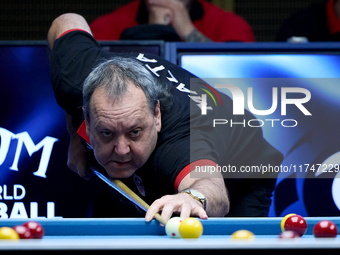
(172, 226)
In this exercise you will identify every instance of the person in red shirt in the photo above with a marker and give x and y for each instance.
(172, 20)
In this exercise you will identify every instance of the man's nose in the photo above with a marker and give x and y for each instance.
(122, 146)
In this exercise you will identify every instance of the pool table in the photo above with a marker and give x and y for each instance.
(135, 236)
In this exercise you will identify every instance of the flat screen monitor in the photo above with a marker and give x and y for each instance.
(294, 92)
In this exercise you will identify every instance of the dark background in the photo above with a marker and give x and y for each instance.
(30, 19)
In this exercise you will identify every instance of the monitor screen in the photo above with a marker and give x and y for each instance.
(293, 91)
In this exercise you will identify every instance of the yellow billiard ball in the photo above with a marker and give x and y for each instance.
(7, 233)
(243, 234)
(190, 228)
(283, 221)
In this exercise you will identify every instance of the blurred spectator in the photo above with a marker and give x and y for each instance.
(318, 22)
(172, 20)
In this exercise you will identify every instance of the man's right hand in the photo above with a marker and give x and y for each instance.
(159, 15)
(77, 160)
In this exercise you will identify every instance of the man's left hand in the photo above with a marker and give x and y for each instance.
(181, 203)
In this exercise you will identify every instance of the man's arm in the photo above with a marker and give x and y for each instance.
(76, 151)
(213, 189)
(64, 23)
(196, 36)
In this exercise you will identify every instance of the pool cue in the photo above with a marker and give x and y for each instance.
(122, 186)
(128, 193)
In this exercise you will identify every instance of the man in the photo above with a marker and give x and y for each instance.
(172, 20)
(138, 114)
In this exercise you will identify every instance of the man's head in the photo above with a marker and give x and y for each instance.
(122, 114)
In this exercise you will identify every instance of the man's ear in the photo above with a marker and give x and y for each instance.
(158, 117)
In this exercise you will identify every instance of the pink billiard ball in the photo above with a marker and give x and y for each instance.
(289, 235)
(23, 232)
(325, 228)
(36, 229)
(297, 224)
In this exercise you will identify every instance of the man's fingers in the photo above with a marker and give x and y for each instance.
(168, 210)
(85, 173)
(201, 213)
(154, 208)
(159, 15)
(186, 211)
(170, 204)
(173, 5)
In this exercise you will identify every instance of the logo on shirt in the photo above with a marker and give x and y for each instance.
(139, 184)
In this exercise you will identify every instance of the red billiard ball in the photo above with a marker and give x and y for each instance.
(325, 228)
(36, 229)
(297, 224)
(23, 232)
(289, 235)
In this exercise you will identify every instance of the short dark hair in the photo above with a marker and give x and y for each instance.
(114, 75)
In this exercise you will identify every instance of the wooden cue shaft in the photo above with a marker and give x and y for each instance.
(132, 194)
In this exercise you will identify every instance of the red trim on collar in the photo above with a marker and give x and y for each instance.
(71, 30)
(186, 170)
(332, 20)
(82, 132)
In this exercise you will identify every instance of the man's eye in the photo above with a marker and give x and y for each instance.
(106, 134)
(135, 133)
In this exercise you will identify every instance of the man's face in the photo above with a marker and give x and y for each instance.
(123, 133)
